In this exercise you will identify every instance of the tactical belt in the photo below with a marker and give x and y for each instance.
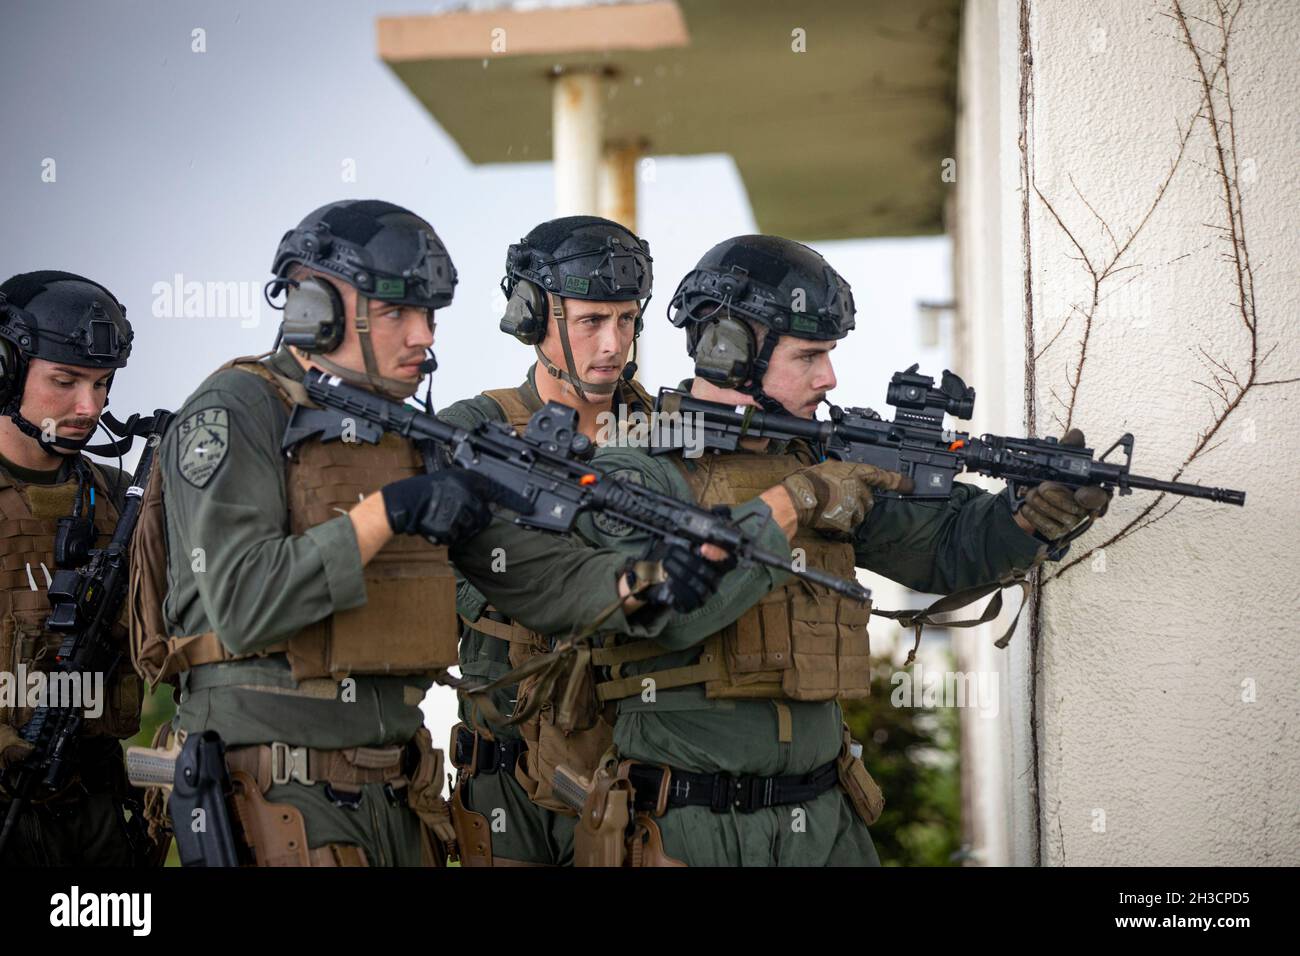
(659, 787)
(476, 754)
(279, 763)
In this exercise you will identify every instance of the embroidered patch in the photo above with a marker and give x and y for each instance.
(204, 439)
(609, 524)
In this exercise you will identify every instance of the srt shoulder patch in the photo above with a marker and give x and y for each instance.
(202, 442)
(609, 524)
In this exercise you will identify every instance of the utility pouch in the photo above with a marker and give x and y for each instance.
(863, 793)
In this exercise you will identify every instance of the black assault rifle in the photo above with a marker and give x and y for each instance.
(547, 466)
(84, 606)
(916, 443)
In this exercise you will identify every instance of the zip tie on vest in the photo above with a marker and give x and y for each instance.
(48, 580)
(31, 581)
(745, 422)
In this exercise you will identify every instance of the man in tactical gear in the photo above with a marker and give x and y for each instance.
(728, 726)
(576, 289)
(310, 601)
(62, 339)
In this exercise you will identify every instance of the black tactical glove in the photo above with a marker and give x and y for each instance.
(1054, 509)
(691, 578)
(445, 506)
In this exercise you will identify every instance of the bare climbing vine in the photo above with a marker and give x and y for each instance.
(1231, 383)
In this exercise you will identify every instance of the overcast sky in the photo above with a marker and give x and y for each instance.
(167, 162)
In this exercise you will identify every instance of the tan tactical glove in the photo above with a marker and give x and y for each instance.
(1053, 509)
(835, 496)
(13, 749)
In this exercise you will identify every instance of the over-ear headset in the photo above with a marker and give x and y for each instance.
(724, 350)
(314, 320)
(11, 364)
(747, 281)
(526, 313)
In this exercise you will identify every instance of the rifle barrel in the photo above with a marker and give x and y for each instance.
(1224, 495)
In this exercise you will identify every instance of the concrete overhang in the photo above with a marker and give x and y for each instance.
(845, 140)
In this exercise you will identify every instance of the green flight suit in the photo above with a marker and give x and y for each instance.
(935, 547)
(531, 834)
(89, 827)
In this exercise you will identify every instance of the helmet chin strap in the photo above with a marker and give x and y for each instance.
(754, 388)
(392, 387)
(59, 443)
(601, 389)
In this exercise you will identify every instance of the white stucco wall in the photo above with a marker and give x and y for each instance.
(1146, 744)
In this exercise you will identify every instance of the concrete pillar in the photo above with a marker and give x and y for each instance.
(575, 104)
(618, 183)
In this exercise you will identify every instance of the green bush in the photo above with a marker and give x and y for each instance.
(913, 755)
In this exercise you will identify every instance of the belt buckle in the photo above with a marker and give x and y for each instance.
(459, 759)
(289, 763)
(724, 792)
(496, 757)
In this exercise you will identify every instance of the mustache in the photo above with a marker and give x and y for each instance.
(80, 422)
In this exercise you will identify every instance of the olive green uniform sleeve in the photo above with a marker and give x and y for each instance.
(739, 589)
(547, 582)
(234, 566)
(939, 547)
(471, 412)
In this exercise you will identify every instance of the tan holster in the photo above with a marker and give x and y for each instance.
(863, 792)
(473, 837)
(645, 844)
(600, 837)
(424, 797)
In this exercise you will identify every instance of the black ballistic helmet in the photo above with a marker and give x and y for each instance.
(776, 282)
(582, 257)
(574, 257)
(387, 252)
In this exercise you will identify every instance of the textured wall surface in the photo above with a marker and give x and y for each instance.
(1163, 299)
